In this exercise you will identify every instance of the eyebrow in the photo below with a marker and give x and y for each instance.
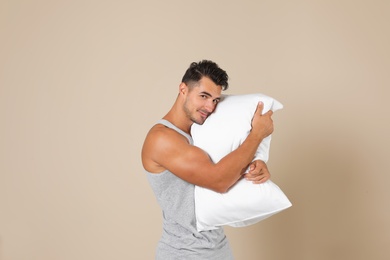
(208, 94)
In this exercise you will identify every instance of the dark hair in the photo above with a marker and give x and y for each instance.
(206, 68)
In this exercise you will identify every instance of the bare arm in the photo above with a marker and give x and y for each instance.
(165, 149)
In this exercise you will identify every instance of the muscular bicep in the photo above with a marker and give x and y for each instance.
(167, 150)
(172, 152)
(188, 162)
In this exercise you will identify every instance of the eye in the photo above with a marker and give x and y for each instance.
(216, 101)
(203, 96)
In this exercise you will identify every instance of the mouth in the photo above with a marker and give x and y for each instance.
(204, 114)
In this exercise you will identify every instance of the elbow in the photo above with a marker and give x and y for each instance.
(223, 190)
(219, 190)
(221, 187)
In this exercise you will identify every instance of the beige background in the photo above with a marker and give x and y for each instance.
(81, 82)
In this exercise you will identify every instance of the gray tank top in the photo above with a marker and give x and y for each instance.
(180, 238)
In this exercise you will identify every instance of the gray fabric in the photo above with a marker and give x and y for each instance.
(180, 239)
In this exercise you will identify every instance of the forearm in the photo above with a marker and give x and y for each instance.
(230, 168)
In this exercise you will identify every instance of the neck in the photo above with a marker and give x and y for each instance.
(177, 117)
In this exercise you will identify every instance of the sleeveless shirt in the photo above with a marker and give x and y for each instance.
(180, 238)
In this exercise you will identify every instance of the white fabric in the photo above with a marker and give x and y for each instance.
(245, 203)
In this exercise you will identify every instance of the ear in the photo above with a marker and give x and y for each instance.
(183, 88)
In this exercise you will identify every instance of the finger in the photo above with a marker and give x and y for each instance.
(252, 167)
(252, 173)
(260, 178)
(260, 107)
(254, 177)
(261, 181)
(269, 113)
(263, 178)
(250, 177)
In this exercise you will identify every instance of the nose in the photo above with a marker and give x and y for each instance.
(210, 106)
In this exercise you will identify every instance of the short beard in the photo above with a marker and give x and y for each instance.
(189, 116)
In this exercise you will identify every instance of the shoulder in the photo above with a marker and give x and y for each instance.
(162, 135)
(159, 141)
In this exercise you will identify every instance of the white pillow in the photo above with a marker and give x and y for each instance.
(245, 203)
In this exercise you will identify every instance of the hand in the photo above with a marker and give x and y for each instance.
(262, 124)
(258, 172)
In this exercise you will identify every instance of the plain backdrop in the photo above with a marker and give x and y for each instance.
(81, 83)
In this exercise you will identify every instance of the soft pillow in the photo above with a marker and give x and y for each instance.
(245, 203)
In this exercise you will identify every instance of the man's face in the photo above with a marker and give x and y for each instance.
(201, 100)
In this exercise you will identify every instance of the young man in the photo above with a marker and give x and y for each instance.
(174, 165)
